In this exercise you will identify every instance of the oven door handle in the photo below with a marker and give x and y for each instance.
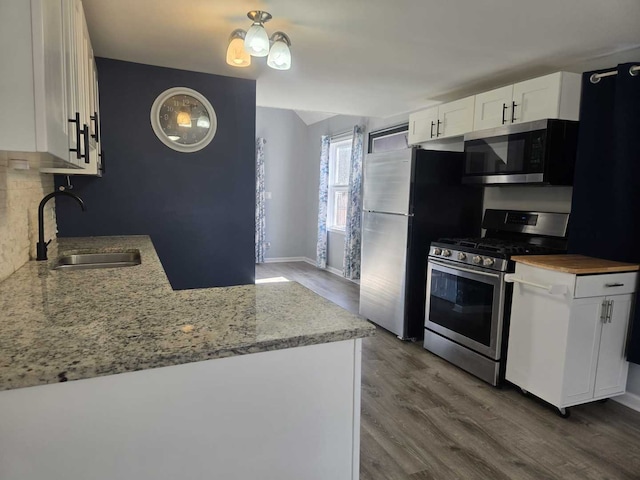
(468, 270)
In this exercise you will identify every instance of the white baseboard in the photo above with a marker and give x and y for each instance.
(630, 400)
(334, 270)
(284, 259)
(329, 269)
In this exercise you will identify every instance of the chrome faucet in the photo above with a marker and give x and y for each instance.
(41, 247)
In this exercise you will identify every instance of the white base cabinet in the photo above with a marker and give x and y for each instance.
(287, 414)
(569, 348)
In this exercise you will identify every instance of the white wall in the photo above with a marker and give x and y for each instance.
(285, 178)
(20, 195)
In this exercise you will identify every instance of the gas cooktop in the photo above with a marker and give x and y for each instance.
(509, 232)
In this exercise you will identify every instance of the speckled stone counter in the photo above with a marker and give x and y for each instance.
(69, 325)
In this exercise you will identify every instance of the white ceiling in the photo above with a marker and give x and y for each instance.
(370, 57)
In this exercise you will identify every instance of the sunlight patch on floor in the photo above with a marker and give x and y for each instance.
(273, 280)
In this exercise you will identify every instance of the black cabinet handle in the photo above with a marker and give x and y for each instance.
(102, 156)
(433, 124)
(504, 109)
(513, 111)
(76, 120)
(438, 128)
(85, 134)
(94, 118)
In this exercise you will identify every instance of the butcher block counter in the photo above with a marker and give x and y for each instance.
(576, 264)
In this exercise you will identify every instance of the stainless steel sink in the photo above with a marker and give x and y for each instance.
(98, 260)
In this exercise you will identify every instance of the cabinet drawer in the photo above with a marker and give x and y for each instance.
(604, 285)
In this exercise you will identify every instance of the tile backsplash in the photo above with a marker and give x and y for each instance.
(20, 195)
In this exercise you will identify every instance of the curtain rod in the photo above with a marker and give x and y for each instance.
(342, 134)
(595, 78)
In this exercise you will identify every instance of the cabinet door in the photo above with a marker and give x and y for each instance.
(493, 109)
(456, 118)
(537, 98)
(422, 125)
(581, 357)
(49, 65)
(611, 374)
(82, 92)
(91, 148)
(74, 50)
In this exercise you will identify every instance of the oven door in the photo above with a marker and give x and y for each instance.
(466, 305)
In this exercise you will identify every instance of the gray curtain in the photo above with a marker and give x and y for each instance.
(353, 227)
(260, 222)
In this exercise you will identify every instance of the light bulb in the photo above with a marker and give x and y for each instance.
(256, 42)
(237, 56)
(184, 119)
(279, 56)
(203, 122)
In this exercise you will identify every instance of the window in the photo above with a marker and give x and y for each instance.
(339, 167)
(394, 138)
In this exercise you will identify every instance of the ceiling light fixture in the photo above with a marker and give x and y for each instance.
(237, 56)
(257, 43)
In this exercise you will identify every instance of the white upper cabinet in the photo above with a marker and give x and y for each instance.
(82, 94)
(422, 125)
(552, 96)
(447, 120)
(43, 84)
(456, 118)
(493, 108)
(33, 80)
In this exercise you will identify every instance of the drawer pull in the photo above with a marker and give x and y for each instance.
(610, 285)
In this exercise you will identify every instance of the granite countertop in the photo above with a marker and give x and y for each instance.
(57, 325)
(576, 264)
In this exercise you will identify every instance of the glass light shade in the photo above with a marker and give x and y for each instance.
(184, 119)
(279, 56)
(237, 56)
(256, 42)
(203, 122)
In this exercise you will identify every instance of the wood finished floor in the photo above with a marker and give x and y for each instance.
(423, 418)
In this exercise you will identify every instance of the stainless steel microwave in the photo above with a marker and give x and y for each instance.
(541, 152)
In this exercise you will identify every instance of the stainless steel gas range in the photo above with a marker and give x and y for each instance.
(468, 302)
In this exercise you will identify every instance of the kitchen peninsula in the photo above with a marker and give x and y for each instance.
(129, 379)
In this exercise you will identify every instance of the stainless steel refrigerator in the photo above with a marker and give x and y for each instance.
(411, 197)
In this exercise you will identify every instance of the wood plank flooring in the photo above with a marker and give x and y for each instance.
(423, 418)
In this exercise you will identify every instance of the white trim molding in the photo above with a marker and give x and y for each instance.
(286, 259)
(310, 261)
(630, 400)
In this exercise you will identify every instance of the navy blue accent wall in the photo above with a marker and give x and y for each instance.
(198, 207)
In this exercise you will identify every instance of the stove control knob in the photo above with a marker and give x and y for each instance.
(477, 259)
(437, 251)
(487, 262)
(462, 256)
(446, 253)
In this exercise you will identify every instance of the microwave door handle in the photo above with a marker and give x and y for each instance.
(468, 270)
